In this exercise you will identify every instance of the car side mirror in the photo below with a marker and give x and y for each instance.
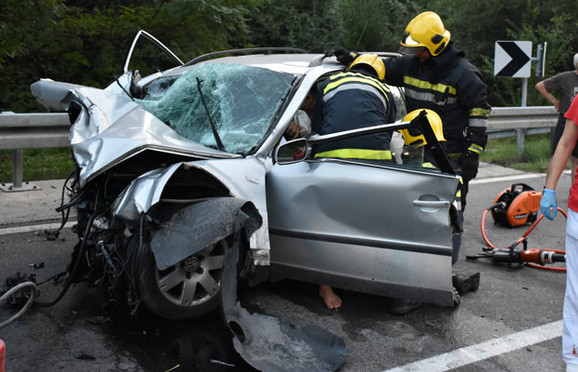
(293, 151)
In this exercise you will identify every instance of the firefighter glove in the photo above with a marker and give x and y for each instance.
(469, 165)
(343, 56)
(548, 205)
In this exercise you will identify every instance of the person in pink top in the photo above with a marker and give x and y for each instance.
(548, 208)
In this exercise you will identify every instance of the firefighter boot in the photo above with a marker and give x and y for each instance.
(466, 283)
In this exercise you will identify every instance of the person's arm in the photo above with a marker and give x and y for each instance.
(472, 95)
(560, 158)
(548, 205)
(541, 88)
(395, 69)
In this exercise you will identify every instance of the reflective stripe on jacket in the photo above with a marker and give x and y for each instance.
(349, 100)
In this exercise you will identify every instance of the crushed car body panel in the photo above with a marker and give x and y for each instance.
(112, 128)
(272, 344)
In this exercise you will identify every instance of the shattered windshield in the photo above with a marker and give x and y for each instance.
(240, 100)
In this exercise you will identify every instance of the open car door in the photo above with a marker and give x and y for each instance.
(143, 64)
(156, 43)
(373, 227)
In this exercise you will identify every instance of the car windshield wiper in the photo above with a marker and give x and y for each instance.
(213, 127)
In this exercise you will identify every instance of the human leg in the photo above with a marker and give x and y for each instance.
(570, 328)
(557, 133)
(332, 301)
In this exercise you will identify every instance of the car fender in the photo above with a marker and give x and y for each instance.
(142, 193)
(199, 225)
(250, 185)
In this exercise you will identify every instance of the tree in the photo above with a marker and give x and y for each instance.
(314, 25)
(85, 41)
(86, 44)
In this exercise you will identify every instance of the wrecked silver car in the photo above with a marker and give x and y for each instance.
(176, 168)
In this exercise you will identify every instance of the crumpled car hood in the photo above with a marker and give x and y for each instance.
(112, 128)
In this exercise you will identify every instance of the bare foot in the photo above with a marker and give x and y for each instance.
(332, 301)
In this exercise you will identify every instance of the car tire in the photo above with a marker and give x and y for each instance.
(189, 289)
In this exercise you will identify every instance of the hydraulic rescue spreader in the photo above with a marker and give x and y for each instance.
(518, 206)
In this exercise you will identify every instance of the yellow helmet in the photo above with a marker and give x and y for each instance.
(434, 121)
(373, 61)
(426, 30)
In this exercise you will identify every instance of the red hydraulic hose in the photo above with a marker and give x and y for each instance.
(523, 237)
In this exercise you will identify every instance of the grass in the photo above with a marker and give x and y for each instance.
(56, 163)
(534, 158)
(39, 164)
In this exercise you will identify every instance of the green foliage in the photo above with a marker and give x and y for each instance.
(376, 25)
(314, 25)
(85, 42)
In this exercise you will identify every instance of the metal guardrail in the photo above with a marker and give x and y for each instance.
(521, 121)
(29, 131)
(45, 130)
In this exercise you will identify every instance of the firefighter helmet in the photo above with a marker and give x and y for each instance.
(434, 121)
(426, 30)
(371, 60)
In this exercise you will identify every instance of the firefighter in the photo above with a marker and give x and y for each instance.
(437, 76)
(352, 99)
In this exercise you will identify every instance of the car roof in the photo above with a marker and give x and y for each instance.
(299, 64)
(293, 63)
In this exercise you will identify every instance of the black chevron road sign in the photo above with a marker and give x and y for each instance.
(512, 59)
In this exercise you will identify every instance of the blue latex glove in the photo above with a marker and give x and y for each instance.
(548, 201)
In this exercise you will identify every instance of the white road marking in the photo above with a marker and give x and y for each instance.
(488, 349)
(515, 177)
(42, 227)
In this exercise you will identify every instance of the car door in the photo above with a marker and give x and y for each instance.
(145, 59)
(376, 228)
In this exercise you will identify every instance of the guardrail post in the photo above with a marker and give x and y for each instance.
(17, 167)
(520, 137)
(29, 131)
(17, 172)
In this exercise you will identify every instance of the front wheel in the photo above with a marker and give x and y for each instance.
(189, 289)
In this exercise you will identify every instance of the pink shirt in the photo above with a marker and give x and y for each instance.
(572, 114)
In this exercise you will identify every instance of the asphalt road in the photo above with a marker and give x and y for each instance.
(511, 323)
